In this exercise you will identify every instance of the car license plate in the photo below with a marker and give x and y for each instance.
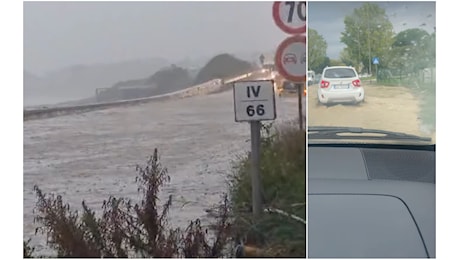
(345, 86)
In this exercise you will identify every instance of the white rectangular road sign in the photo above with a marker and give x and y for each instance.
(254, 100)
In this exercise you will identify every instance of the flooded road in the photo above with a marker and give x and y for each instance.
(387, 108)
(93, 155)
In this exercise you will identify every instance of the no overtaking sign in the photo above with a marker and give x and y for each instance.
(291, 58)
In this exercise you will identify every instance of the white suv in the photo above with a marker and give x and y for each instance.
(340, 84)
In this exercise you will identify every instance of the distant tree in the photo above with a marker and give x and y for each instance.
(326, 62)
(413, 50)
(221, 66)
(347, 60)
(430, 46)
(317, 48)
(170, 79)
(336, 63)
(368, 33)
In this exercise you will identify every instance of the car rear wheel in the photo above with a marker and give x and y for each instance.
(319, 103)
(359, 103)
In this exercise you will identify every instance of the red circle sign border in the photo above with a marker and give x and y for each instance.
(281, 25)
(278, 58)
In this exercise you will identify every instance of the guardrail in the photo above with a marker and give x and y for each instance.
(204, 88)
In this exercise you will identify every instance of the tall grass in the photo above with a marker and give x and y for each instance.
(283, 180)
(427, 94)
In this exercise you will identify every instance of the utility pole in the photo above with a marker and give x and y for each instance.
(369, 39)
(299, 100)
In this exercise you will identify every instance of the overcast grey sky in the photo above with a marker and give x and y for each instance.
(327, 18)
(58, 34)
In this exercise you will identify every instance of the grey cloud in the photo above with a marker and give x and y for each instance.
(60, 34)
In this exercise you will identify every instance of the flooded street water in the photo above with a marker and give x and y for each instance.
(385, 108)
(93, 155)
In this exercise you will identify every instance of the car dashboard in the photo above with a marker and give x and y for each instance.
(372, 201)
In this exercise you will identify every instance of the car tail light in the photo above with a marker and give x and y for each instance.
(356, 83)
(324, 84)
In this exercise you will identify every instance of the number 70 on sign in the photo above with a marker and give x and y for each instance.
(254, 100)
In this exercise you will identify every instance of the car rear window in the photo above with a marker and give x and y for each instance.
(340, 73)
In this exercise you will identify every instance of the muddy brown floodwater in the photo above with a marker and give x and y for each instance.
(93, 155)
(392, 108)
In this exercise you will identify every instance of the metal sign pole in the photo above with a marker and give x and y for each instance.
(254, 101)
(299, 88)
(292, 20)
(255, 169)
(376, 73)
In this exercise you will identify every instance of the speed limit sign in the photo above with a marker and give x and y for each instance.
(291, 17)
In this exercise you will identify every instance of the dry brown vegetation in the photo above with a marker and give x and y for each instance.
(128, 229)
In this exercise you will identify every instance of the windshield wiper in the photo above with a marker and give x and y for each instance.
(333, 132)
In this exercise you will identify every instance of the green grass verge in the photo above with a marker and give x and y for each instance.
(283, 184)
(427, 94)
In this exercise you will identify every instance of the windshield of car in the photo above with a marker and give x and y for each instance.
(391, 46)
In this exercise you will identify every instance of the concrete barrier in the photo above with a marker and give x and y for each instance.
(211, 86)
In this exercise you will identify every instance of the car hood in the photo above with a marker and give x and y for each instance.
(358, 135)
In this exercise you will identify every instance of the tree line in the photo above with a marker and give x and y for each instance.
(369, 33)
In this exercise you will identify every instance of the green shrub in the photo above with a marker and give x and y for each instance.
(283, 162)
